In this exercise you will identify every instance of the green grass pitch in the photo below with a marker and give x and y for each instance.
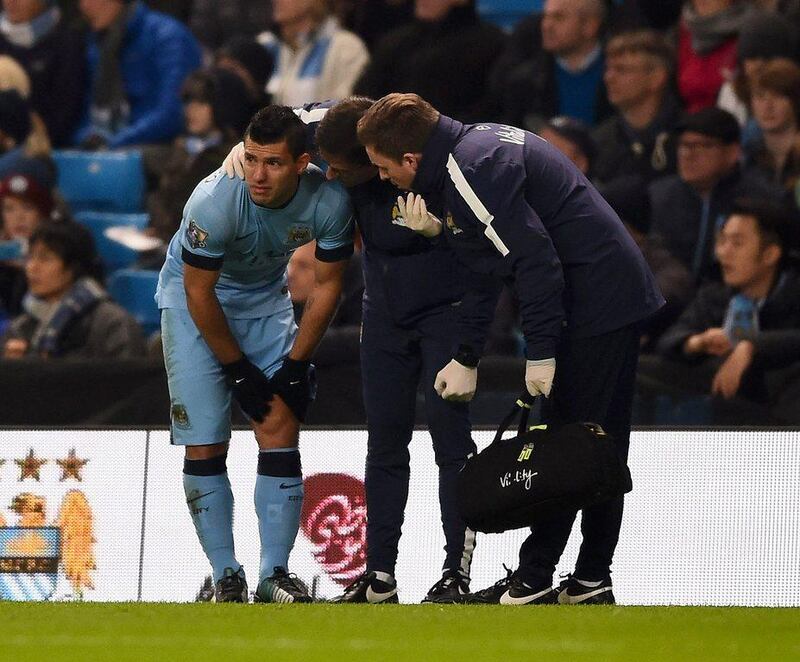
(64, 632)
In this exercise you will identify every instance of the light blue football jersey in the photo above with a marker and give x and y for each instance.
(222, 228)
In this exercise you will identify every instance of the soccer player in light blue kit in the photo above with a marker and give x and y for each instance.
(228, 329)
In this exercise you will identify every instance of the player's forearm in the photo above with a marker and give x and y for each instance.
(210, 320)
(318, 312)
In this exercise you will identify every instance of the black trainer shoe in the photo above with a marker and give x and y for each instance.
(368, 588)
(572, 592)
(282, 587)
(231, 587)
(450, 589)
(511, 590)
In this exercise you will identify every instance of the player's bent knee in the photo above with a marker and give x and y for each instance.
(280, 428)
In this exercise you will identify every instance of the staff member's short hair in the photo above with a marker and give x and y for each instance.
(398, 124)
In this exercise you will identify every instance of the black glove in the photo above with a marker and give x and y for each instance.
(250, 387)
(296, 383)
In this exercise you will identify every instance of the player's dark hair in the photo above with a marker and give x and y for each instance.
(775, 223)
(336, 133)
(73, 243)
(272, 124)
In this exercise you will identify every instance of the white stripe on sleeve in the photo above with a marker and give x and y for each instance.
(475, 204)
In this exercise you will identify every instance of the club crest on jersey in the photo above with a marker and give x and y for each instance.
(451, 224)
(299, 234)
(197, 236)
(397, 219)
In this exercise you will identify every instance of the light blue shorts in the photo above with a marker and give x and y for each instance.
(199, 397)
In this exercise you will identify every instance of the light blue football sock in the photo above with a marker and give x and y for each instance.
(210, 502)
(278, 500)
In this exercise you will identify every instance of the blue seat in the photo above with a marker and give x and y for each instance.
(114, 254)
(507, 13)
(101, 181)
(134, 290)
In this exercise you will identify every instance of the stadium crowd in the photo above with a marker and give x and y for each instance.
(685, 116)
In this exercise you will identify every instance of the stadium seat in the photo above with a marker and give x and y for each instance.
(114, 254)
(507, 13)
(101, 181)
(134, 289)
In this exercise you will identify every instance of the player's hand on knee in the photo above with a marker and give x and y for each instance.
(416, 216)
(539, 376)
(456, 382)
(234, 162)
(250, 387)
(296, 383)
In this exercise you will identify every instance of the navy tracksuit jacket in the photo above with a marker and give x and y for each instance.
(412, 290)
(516, 208)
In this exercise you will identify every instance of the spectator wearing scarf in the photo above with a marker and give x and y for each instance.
(707, 49)
(67, 312)
(137, 61)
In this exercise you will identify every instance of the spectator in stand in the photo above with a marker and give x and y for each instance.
(137, 62)
(315, 59)
(707, 36)
(776, 110)
(565, 77)
(734, 332)
(67, 312)
(638, 138)
(35, 35)
(216, 23)
(24, 205)
(572, 137)
(216, 108)
(445, 55)
(253, 63)
(22, 150)
(763, 38)
(686, 207)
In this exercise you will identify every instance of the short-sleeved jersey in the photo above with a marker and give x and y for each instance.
(223, 229)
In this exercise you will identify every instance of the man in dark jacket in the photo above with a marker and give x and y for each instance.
(686, 208)
(34, 34)
(735, 331)
(565, 77)
(637, 139)
(444, 55)
(516, 209)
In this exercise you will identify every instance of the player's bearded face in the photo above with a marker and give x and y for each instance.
(271, 172)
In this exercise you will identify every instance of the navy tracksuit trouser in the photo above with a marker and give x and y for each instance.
(594, 382)
(394, 361)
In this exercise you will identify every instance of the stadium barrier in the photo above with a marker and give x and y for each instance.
(714, 518)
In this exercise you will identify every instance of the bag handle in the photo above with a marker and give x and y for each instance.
(523, 404)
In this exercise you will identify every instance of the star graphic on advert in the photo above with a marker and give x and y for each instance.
(71, 467)
(29, 466)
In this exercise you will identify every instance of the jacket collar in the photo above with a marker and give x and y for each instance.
(431, 172)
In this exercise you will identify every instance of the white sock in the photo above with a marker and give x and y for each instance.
(583, 582)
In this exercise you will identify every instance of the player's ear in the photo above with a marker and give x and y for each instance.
(412, 159)
(302, 162)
